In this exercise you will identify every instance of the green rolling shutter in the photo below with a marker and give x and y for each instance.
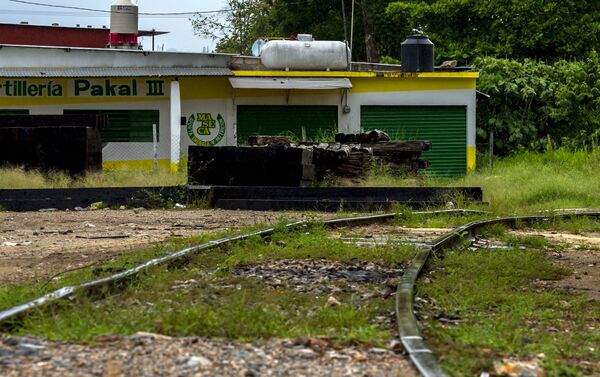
(285, 121)
(126, 125)
(444, 126)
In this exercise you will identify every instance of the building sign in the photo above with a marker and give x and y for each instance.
(23, 88)
(101, 88)
(204, 130)
(109, 88)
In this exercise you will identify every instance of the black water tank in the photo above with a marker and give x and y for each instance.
(417, 54)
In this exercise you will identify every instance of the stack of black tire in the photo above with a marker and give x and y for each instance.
(273, 165)
(52, 142)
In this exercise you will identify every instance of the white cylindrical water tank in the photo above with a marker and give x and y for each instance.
(305, 55)
(124, 17)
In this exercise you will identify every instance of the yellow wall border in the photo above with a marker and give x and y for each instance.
(452, 75)
(471, 159)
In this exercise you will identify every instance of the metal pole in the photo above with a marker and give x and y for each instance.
(352, 33)
(153, 39)
(345, 33)
(491, 148)
(155, 144)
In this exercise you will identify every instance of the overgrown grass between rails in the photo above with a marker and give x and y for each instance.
(12, 295)
(222, 305)
(500, 311)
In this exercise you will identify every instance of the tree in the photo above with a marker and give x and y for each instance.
(324, 19)
(244, 22)
(538, 29)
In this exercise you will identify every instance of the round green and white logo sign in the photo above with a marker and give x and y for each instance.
(206, 131)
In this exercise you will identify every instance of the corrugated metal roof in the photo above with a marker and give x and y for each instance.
(112, 72)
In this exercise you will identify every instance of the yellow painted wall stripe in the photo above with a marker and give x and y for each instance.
(136, 165)
(454, 75)
(381, 84)
(471, 159)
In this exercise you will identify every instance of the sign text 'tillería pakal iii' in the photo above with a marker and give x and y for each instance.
(83, 88)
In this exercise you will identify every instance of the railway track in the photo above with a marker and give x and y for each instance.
(421, 356)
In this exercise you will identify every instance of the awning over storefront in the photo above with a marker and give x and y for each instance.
(286, 83)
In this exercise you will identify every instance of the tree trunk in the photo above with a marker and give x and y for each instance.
(370, 42)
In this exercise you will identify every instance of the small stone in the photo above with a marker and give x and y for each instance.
(142, 334)
(48, 210)
(334, 355)
(332, 301)
(113, 369)
(396, 346)
(360, 357)
(307, 353)
(199, 361)
(518, 368)
(378, 350)
(122, 208)
(249, 373)
(281, 243)
(32, 347)
(4, 353)
(89, 225)
(11, 342)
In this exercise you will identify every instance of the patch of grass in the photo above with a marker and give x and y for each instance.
(249, 313)
(19, 178)
(220, 305)
(312, 243)
(502, 312)
(442, 220)
(577, 225)
(524, 182)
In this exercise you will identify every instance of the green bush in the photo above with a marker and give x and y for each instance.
(533, 103)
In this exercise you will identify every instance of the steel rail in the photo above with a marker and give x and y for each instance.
(421, 356)
(67, 291)
(410, 336)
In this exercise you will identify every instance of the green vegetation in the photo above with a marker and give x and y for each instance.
(534, 105)
(462, 30)
(524, 183)
(218, 304)
(538, 29)
(19, 178)
(492, 307)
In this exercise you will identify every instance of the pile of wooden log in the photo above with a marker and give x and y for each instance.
(340, 160)
(402, 156)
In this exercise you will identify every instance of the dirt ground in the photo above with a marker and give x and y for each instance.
(37, 245)
(581, 254)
